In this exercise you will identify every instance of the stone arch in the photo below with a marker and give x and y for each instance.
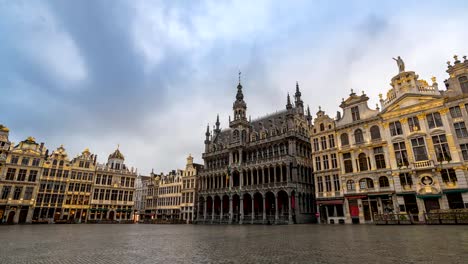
(283, 204)
(247, 200)
(270, 204)
(258, 206)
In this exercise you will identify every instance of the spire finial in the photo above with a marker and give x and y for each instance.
(297, 86)
(288, 102)
(118, 146)
(320, 108)
(240, 76)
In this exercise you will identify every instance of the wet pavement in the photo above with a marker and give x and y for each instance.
(88, 243)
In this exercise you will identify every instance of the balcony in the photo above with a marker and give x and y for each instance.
(423, 164)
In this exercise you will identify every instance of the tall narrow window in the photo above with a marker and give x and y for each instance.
(6, 192)
(395, 128)
(413, 123)
(375, 132)
(323, 142)
(316, 144)
(336, 182)
(334, 161)
(350, 185)
(328, 183)
(318, 165)
(348, 163)
(460, 129)
(358, 137)
(344, 139)
(419, 149)
(434, 120)
(362, 159)
(331, 141)
(455, 111)
(379, 157)
(17, 192)
(464, 149)
(441, 148)
(400, 154)
(326, 165)
(355, 113)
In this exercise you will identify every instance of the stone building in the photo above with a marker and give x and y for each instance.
(114, 189)
(329, 193)
(409, 157)
(258, 171)
(169, 195)
(189, 190)
(142, 203)
(427, 135)
(19, 179)
(53, 182)
(363, 155)
(80, 187)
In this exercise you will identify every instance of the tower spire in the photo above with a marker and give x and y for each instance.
(217, 130)
(288, 102)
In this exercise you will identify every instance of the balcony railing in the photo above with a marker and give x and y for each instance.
(423, 164)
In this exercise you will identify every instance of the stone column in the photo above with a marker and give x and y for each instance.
(213, 209)
(30, 215)
(204, 208)
(17, 213)
(290, 209)
(264, 208)
(241, 179)
(222, 205)
(241, 201)
(276, 208)
(253, 209)
(230, 209)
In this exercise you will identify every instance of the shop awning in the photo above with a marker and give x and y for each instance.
(424, 196)
(383, 194)
(325, 202)
(406, 193)
(350, 197)
(455, 190)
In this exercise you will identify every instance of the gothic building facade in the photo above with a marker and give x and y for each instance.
(258, 171)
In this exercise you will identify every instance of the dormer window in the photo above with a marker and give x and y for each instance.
(322, 127)
(355, 113)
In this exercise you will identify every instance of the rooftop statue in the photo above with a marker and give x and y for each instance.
(400, 63)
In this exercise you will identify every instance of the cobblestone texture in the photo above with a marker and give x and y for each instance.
(232, 244)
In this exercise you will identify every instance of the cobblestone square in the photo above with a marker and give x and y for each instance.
(232, 244)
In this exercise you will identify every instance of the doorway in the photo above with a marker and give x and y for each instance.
(431, 204)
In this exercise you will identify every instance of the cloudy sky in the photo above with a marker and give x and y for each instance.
(150, 75)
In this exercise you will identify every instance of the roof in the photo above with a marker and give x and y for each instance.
(117, 155)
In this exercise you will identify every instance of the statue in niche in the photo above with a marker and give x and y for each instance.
(400, 63)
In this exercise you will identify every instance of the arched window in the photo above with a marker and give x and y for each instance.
(358, 137)
(366, 183)
(344, 139)
(383, 182)
(362, 158)
(350, 185)
(375, 132)
(322, 127)
(235, 135)
(244, 136)
(463, 84)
